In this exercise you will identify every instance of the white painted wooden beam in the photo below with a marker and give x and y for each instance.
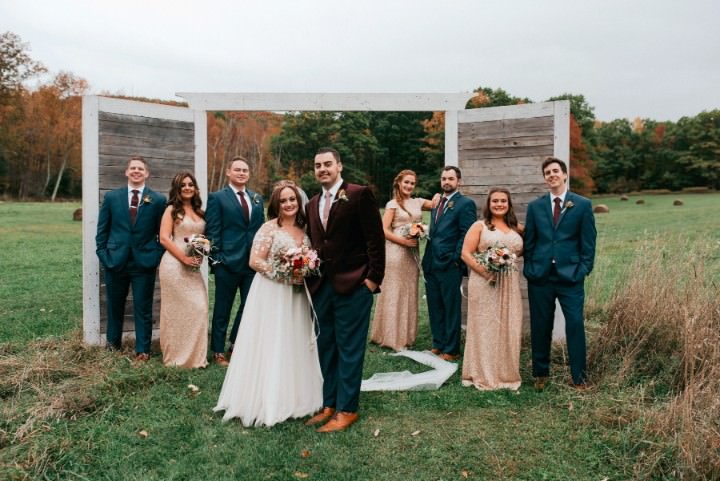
(333, 102)
(90, 209)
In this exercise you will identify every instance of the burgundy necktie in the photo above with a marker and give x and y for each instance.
(134, 205)
(246, 211)
(440, 211)
(556, 210)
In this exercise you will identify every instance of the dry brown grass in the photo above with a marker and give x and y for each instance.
(39, 383)
(662, 330)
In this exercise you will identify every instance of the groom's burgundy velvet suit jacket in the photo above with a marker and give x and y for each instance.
(353, 246)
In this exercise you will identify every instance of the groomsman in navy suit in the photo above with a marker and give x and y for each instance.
(559, 250)
(233, 216)
(345, 228)
(128, 248)
(442, 266)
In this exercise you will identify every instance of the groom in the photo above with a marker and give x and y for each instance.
(559, 253)
(128, 248)
(233, 216)
(346, 230)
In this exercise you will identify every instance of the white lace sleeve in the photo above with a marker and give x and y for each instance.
(261, 249)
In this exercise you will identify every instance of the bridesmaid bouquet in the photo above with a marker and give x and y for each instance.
(292, 265)
(198, 245)
(415, 230)
(498, 259)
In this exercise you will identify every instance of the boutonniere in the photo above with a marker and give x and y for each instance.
(256, 199)
(342, 195)
(568, 205)
(450, 204)
(147, 199)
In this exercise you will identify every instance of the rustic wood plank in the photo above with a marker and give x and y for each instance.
(108, 139)
(109, 118)
(134, 131)
(529, 141)
(167, 145)
(533, 161)
(498, 153)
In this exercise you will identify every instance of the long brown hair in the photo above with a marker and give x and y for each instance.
(509, 217)
(175, 199)
(273, 211)
(396, 187)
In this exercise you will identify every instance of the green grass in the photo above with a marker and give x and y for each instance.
(70, 412)
(624, 232)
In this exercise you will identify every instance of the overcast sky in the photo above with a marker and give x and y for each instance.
(653, 59)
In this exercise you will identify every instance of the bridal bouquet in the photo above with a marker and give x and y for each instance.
(293, 264)
(198, 245)
(415, 230)
(497, 259)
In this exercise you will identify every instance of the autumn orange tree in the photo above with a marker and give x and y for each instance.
(247, 134)
(41, 128)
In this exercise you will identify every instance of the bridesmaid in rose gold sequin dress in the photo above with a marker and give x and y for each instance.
(183, 295)
(494, 316)
(396, 312)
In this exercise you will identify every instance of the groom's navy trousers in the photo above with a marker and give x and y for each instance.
(343, 322)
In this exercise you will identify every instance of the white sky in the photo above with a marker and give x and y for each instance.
(653, 59)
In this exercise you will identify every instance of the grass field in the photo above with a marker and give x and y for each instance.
(73, 412)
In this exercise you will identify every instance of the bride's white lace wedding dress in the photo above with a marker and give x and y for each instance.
(274, 372)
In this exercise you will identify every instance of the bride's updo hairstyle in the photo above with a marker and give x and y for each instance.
(273, 211)
(175, 197)
(510, 218)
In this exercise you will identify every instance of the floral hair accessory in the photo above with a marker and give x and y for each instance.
(342, 195)
(147, 199)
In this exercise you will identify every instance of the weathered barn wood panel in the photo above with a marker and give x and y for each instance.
(167, 145)
(505, 147)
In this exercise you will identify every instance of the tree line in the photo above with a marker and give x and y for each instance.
(40, 141)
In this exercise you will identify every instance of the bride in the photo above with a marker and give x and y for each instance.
(274, 372)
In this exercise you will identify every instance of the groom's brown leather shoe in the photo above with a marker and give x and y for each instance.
(436, 351)
(321, 417)
(342, 420)
(220, 360)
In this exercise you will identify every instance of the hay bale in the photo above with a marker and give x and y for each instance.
(639, 201)
(601, 209)
(624, 197)
(677, 202)
(77, 215)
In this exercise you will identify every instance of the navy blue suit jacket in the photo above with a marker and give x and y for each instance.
(571, 243)
(117, 236)
(226, 227)
(447, 235)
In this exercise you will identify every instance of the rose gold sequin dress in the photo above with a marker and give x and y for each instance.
(183, 305)
(494, 323)
(396, 311)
